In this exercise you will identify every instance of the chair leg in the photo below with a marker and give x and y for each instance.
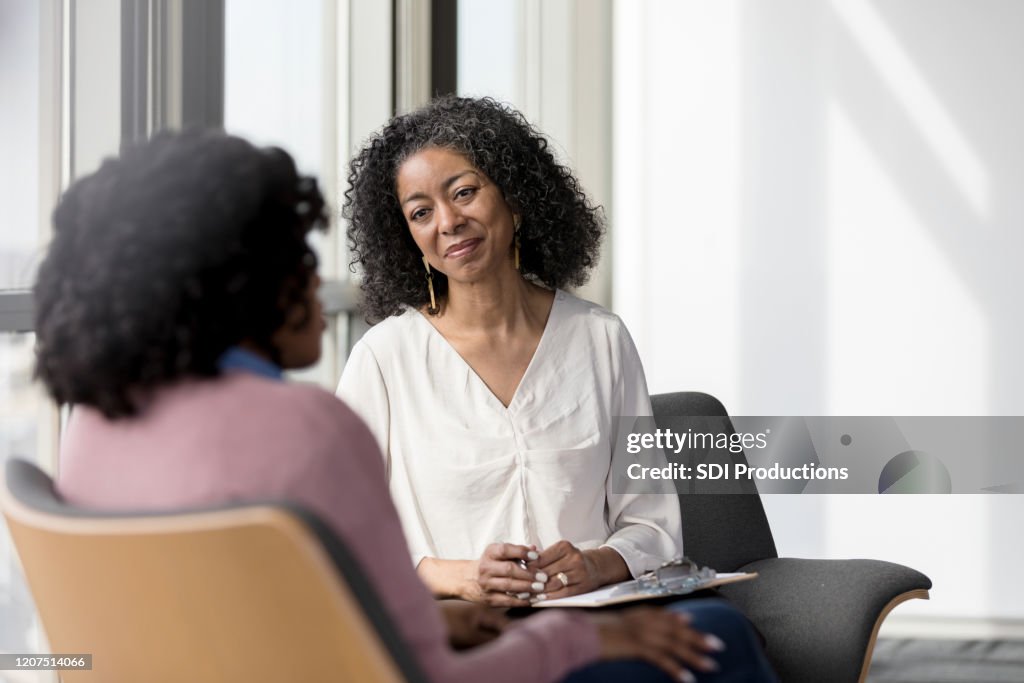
(901, 598)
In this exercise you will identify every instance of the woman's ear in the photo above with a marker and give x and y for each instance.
(513, 206)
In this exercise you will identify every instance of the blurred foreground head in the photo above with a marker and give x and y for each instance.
(165, 257)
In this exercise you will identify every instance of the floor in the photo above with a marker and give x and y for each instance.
(947, 661)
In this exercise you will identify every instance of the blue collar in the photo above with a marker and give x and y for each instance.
(237, 358)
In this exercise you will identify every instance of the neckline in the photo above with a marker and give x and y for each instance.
(559, 295)
(243, 360)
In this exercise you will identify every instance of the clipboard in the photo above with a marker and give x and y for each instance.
(677, 577)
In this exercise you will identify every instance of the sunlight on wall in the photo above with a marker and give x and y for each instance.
(958, 158)
(815, 210)
(905, 336)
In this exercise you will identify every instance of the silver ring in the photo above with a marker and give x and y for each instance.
(563, 578)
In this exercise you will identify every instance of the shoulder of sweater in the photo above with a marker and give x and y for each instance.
(317, 430)
(307, 406)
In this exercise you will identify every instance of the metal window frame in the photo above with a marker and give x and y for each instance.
(444, 45)
(425, 51)
(166, 80)
(172, 65)
(17, 311)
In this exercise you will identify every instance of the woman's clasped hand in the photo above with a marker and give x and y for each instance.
(511, 575)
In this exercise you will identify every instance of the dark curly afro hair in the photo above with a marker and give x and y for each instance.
(560, 232)
(165, 257)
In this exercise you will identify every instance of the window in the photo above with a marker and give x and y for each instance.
(313, 76)
(280, 88)
(30, 135)
(78, 78)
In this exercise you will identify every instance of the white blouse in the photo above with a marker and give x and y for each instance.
(465, 471)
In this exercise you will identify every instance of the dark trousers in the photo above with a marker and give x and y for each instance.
(743, 660)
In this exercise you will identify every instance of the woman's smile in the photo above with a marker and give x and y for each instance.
(463, 248)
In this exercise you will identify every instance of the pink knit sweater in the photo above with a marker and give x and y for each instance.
(242, 437)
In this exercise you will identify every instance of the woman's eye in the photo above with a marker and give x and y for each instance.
(465, 192)
(418, 214)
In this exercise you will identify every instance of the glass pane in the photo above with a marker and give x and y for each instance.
(273, 84)
(25, 419)
(276, 62)
(273, 68)
(19, 140)
(27, 424)
(489, 60)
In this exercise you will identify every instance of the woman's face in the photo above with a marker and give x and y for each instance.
(457, 216)
(298, 340)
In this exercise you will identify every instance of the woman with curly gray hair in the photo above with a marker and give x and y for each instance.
(493, 392)
(467, 229)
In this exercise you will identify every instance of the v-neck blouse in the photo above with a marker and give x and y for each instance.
(465, 471)
(537, 352)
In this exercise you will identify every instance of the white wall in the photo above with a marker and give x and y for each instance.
(817, 212)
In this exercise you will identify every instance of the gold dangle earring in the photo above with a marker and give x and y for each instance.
(517, 221)
(430, 286)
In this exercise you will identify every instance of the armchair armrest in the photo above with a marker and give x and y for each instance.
(820, 618)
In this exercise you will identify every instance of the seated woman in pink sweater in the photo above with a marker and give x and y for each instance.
(178, 286)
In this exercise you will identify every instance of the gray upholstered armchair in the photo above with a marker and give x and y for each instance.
(820, 618)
